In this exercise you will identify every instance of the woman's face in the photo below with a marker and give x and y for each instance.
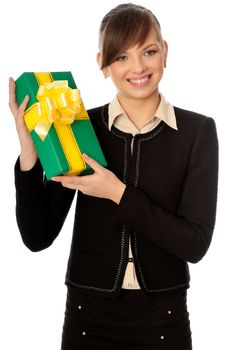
(137, 72)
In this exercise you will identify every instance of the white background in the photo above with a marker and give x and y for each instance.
(62, 35)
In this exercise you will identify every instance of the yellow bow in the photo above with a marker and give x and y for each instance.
(58, 103)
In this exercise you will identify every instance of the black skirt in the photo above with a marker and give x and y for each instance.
(130, 322)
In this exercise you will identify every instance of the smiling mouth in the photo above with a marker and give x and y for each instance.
(140, 81)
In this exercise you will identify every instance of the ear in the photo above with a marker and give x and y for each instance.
(99, 59)
(99, 62)
(165, 44)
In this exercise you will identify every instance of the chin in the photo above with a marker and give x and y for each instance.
(144, 95)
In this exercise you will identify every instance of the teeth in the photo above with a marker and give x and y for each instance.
(139, 81)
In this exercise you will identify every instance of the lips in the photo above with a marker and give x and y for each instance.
(139, 81)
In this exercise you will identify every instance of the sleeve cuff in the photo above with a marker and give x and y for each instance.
(127, 206)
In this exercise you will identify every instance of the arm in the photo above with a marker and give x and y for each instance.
(41, 207)
(187, 233)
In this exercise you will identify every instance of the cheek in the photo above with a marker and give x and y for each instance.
(117, 75)
(160, 61)
(158, 65)
(118, 70)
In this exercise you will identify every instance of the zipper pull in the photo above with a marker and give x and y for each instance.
(132, 143)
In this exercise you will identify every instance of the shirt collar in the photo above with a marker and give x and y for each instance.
(165, 112)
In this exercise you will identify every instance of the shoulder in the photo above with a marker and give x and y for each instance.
(97, 115)
(99, 118)
(192, 121)
(187, 115)
(97, 111)
(197, 129)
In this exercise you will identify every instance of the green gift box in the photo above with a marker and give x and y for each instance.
(58, 123)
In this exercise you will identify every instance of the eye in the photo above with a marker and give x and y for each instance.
(121, 58)
(150, 52)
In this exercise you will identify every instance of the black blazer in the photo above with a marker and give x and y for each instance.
(168, 207)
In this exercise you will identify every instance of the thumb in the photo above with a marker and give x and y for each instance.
(91, 162)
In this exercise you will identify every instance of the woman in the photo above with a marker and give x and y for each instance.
(139, 222)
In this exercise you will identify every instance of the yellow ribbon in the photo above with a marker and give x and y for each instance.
(58, 104)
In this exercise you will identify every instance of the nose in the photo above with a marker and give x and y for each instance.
(138, 65)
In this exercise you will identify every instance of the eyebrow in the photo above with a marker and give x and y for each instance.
(153, 44)
(157, 44)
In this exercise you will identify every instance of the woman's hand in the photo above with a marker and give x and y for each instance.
(28, 155)
(102, 183)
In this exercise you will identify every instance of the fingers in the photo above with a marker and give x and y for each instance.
(70, 179)
(17, 111)
(12, 100)
(23, 106)
(92, 163)
(72, 182)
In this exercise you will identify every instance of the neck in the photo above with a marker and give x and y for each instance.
(140, 111)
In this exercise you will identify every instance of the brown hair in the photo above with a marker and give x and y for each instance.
(123, 26)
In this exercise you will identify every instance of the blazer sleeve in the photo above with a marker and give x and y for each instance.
(188, 232)
(41, 207)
